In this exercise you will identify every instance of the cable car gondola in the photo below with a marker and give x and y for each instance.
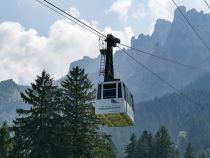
(114, 104)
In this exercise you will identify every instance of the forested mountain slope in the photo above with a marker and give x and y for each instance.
(188, 113)
(10, 99)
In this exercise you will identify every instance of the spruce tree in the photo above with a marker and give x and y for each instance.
(5, 141)
(131, 147)
(113, 149)
(104, 147)
(176, 153)
(37, 126)
(162, 144)
(81, 124)
(144, 146)
(189, 153)
(202, 155)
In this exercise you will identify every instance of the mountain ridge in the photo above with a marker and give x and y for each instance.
(156, 103)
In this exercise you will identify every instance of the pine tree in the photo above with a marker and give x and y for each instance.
(189, 153)
(5, 143)
(82, 137)
(36, 127)
(144, 146)
(131, 147)
(202, 155)
(176, 153)
(162, 144)
(104, 147)
(112, 149)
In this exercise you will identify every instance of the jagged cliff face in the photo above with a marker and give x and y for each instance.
(178, 42)
(10, 99)
(174, 40)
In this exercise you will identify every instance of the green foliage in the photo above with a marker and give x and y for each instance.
(144, 146)
(104, 147)
(162, 144)
(5, 142)
(174, 111)
(82, 136)
(176, 154)
(189, 152)
(36, 128)
(149, 146)
(131, 147)
(178, 114)
(9, 99)
(158, 146)
(60, 122)
(202, 155)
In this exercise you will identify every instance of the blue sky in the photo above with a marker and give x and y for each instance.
(34, 38)
(32, 15)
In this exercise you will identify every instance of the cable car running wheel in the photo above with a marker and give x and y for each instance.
(114, 104)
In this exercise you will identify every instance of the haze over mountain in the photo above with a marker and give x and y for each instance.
(10, 99)
(174, 40)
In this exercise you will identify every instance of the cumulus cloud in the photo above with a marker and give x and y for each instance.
(24, 53)
(74, 12)
(120, 7)
(199, 5)
(139, 12)
(165, 8)
(124, 35)
(161, 9)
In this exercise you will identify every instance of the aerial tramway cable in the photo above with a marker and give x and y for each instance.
(192, 27)
(164, 58)
(86, 25)
(67, 17)
(98, 33)
(159, 77)
(207, 4)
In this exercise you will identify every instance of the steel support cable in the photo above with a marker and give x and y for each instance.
(52, 6)
(153, 73)
(65, 16)
(162, 7)
(207, 4)
(160, 78)
(164, 58)
(192, 27)
(61, 10)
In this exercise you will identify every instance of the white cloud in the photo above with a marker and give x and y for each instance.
(120, 7)
(165, 8)
(74, 12)
(199, 5)
(125, 35)
(24, 53)
(139, 12)
(161, 9)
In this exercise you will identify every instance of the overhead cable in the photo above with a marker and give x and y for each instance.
(192, 27)
(160, 78)
(207, 4)
(60, 11)
(65, 16)
(164, 58)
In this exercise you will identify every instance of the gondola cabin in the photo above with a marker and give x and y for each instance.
(114, 104)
